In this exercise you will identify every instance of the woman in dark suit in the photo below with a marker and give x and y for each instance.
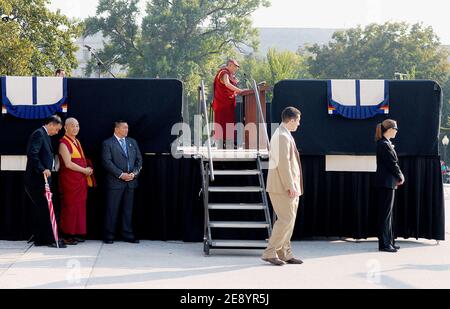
(388, 178)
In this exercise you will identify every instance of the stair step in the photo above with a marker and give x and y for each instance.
(240, 243)
(235, 189)
(236, 206)
(239, 224)
(236, 172)
(233, 159)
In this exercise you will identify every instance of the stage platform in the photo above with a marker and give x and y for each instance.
(195, 152)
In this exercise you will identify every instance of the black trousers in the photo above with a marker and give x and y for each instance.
(42, 227)
(119, 202)
(385, 217)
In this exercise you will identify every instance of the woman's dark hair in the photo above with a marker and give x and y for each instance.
(383, 127)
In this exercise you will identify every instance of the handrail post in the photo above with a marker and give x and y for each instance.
(260, 115)
(197, 123)
(258, 120)
(208, 141)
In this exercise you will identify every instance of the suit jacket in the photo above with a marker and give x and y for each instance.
(115, 162)
(285, 172)
(39, 158)
(388, 171)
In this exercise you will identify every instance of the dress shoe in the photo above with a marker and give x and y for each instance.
(79, 239)
(396, 247)
(388, 249)
(60, 244)
(294, 261)
(131, 240)
(108, 241)
(274, 261)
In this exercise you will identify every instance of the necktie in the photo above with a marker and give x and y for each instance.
(124, 146)
(125, 150)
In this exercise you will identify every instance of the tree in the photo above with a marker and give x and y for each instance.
(445, 125)
(34, 40)
(286, 65)
(380, 51)
(276, 66)
(184, 39)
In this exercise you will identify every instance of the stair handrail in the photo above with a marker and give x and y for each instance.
(208, 141)
(259, 116)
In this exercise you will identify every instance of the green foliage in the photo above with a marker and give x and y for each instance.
(34, 40)
(446, 106)
(276, 66)
(380, 51)
(185, 39)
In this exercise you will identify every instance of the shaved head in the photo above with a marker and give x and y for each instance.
(72, 127)
(71, 121)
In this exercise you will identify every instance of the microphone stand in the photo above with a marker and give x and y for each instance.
(100, 63)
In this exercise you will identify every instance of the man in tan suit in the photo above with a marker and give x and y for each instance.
(285, 186)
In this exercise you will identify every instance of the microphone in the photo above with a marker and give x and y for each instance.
(246, 81)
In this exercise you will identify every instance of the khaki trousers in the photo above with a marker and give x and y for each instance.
(280, 242)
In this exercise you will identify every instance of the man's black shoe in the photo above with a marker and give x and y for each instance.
(388, 249)
(108, 241)
(60, 244)
(294, 261)
(131, 240)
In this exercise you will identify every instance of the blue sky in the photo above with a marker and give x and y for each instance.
(323, 13)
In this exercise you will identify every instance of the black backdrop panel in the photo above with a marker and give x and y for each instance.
(151, 107)
(168, 205)
(415, 105)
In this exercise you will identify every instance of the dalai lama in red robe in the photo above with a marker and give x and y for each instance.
(224, 104)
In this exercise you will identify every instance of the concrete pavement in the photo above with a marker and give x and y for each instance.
(177, 265)
(161, 265)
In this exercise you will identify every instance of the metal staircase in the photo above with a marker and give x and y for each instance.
(218, 211)
(213, 220)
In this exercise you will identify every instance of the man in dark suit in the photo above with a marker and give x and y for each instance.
(123, 162)
(40, 161)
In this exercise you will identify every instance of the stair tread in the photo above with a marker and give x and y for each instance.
(235, 189)
(237, 172)
(239, 243)
(239, 224)
(237, 206)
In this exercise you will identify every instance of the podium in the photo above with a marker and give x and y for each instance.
(250, 118)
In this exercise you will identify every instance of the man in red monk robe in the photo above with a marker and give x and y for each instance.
(73, 184)
(224, 104)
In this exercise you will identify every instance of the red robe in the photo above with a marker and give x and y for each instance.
(224, 105)
(73, 188)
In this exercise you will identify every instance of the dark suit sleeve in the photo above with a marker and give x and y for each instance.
(107, 161)
(388, 159)
(34, 147)
(138, 163)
